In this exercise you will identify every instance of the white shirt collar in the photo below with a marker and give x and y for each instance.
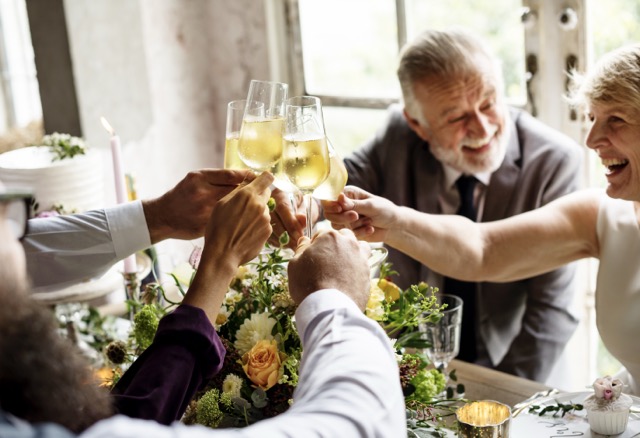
(451, 175)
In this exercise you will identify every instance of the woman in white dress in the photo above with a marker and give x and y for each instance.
(583, 224)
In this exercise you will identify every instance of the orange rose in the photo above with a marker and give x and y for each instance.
(263, 364)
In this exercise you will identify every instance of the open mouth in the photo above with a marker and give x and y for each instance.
(614, 165)
(477, 147)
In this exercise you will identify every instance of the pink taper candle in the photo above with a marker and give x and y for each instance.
(121, 190)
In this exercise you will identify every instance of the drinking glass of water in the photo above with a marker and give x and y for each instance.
(444, 336)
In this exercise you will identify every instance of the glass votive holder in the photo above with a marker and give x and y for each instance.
(484, 419)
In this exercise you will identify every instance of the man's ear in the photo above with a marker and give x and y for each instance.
(415, 126)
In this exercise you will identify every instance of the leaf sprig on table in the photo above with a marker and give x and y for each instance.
(559, 409)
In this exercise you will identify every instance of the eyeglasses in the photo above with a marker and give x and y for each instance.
(17, 207)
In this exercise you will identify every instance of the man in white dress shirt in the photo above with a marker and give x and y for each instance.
(349, 384)
(64, 250)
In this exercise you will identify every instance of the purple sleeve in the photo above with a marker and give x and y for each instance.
(186, 352)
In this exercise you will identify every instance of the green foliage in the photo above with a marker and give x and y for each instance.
(559, 409)
(428, 383)
(145, 325)
(64, 146)
(208, 409)
(417, 305)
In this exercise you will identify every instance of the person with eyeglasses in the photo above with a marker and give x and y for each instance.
(348, 369)
(64, 250)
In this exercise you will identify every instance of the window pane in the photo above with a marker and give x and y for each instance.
(348, 128)
(617, 24)
(350, 47)
(498, 21)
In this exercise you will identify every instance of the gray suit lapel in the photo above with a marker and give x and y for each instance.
(502, 186)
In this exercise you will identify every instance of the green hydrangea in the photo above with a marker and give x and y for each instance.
(225, 400)
(145, 325)
(208, 411)
(428, 384)
(291, 365)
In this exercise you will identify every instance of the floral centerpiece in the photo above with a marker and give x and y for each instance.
(256, 325)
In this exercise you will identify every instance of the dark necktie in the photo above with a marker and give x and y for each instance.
(465, 290)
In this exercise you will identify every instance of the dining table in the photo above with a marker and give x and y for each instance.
(483, 383)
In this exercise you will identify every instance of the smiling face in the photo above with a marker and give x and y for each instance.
(615, 137)
(463, 119)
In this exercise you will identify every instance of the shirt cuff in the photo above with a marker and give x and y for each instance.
(321, 301)
(128, 228)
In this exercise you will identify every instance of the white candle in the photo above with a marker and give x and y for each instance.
(121, 190)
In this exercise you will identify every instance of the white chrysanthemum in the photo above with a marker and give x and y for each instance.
(374, 309)
(252, 330)
(232, 297)
(232, 385)
(222, 317)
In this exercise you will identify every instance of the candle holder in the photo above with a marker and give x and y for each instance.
(484, 419)
(132, 290)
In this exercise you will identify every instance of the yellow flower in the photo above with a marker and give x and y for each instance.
(252, 330)
(374, 309)
(263, 364)
(390, 289)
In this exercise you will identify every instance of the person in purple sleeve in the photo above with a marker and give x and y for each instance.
(348, 365)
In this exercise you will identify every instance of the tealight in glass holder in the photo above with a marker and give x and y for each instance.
(484, 419)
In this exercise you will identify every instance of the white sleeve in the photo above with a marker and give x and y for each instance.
(64, 250)
(349, 384)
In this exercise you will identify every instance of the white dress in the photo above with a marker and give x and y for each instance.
(618, 287)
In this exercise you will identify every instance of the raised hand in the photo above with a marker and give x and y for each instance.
(331, 259)
(183, 212)
(369, 216)
(239, 226)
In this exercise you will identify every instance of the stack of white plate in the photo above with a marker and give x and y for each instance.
(76, 184)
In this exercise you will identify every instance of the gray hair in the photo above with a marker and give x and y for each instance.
(439, 54)
(614, 79)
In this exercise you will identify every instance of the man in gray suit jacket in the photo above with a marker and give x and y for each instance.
(455, 122)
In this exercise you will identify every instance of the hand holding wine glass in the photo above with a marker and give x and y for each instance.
(305, 155)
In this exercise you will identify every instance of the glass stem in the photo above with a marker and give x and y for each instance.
(308, 200)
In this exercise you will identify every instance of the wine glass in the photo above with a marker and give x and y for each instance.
(235, 114)
(337, 179)
(260, 141)
(305, 155)
(444, 336)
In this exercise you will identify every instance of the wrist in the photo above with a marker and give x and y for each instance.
(158, 230)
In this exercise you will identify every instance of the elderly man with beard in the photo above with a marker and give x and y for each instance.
(454, 123)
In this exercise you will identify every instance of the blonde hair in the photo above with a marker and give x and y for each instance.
(440, 54)
(614, 79)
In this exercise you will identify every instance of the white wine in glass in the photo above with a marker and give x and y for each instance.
(260, 142)
(305, 155)
(235, 114)
(305, 160)
(337, 179)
